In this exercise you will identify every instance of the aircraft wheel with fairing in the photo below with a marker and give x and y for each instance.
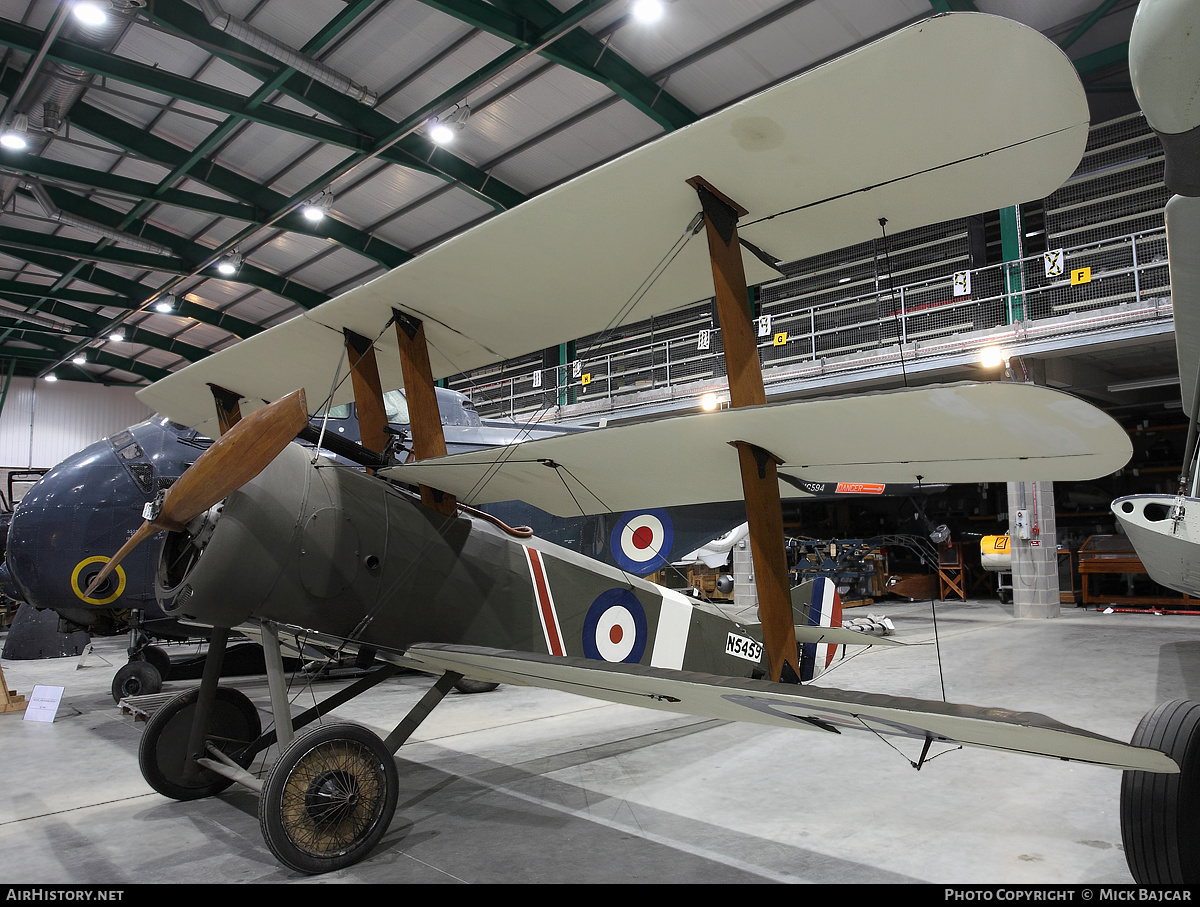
(467, 685)
(157, 656)
(1160, 813)
(136, 678)
(233, 725)
(329, 798)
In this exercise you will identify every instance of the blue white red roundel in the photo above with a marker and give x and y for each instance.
(641, 541)
(615, 628)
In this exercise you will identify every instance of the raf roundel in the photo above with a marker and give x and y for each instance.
(615, 628)
(641, 541)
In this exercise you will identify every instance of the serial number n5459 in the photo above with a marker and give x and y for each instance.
(743, 647)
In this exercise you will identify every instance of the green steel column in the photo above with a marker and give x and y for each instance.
(1010, 250)
(566, 391)
(12, 367)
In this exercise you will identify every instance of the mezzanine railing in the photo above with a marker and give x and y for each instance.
(1066, 292)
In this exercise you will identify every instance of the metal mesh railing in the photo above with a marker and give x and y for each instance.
(1124, 279)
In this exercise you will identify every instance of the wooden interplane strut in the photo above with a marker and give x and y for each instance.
(229, 407)
(760, 480)
(428, 438)
(368, 392)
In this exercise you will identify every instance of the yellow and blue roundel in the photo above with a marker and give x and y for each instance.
(641, 541)
(615, 628)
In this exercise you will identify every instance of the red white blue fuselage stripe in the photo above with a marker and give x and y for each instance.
(545, 603)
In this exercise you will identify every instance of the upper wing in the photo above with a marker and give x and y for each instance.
(955, 433)
(1183, 245)
(915, 128)
(780, 705)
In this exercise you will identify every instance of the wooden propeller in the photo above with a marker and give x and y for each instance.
(233, 460)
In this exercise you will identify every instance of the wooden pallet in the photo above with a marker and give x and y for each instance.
(9, 700)
(142, 707)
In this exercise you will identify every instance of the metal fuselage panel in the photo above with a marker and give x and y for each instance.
(1169, 550)
(355, 557)
(82, 511)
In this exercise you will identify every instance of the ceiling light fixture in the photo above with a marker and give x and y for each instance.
(442, 130)
(52, 377)
(165, 305)
(16, 136)
(230, 264)
(709, 402)
(117, 336)
(91, 12)
(318, 206)
(991, 356)
(647, 10)
(80, 359)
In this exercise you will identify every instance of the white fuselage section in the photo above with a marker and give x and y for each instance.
(1169, 548)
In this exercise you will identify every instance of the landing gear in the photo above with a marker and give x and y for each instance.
(329, 798)
(147, 668)
(136, 678)
(164, 753)
(157, 656)
(1160, 813)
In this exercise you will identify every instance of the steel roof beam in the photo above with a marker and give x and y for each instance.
(58, 349)
(56, 171)
(186, 250)
(128, 293)
(182, 308)
(160, 81)
(583, 53)
(411, 151)
(109, 128)
(84, 250)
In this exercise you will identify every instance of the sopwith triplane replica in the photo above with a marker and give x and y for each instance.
(397, 564)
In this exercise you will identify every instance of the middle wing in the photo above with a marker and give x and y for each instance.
(782, 705)
(955, 433)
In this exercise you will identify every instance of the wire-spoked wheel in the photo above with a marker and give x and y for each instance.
(329, 798)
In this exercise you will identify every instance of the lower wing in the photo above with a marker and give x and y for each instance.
(777, 705)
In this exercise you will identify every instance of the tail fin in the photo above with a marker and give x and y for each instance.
(817, 604)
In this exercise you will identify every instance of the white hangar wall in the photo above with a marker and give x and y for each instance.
(43, 422)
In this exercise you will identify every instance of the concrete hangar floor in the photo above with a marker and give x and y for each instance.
(527, 786)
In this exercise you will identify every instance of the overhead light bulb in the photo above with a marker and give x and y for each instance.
(442, 129)
(80, 359)
(230, 264)
(647, 10)
(52, 377)
(165, 305)
(708, 402)
(318, 206)
(117, 336)
(991, 356)
(441, 133)
(16, 136)
(90, 12)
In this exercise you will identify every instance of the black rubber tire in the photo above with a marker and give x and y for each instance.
(329, 798)
(467, 685)
(234, 723)
(136, 678)
(1160, 813)
(157, 656)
